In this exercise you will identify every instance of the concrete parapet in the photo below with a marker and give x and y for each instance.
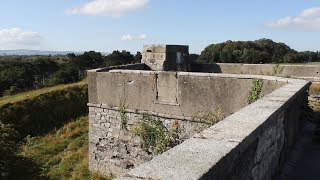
(308, 72)
(250, 144)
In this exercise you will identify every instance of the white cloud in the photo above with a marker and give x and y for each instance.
(126, 37)
(143, 36)
(114, 8)
(308, 19)
(15, 38)
(129, 37)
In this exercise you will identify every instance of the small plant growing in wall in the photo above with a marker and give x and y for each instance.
(277, 69)
(155, 138)
(123, 115)
(255, 91)
(213, 117)
(209, 119)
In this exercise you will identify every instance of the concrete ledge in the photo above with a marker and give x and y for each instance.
(137, 66)
(225, 75)
(156, 114)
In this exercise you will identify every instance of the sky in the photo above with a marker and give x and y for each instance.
(107, 25)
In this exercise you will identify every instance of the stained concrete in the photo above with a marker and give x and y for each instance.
(177, 94)
(166, 57)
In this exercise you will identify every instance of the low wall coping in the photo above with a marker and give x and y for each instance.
(197, 74)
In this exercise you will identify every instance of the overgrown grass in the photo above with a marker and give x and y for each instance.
(35, 93)
(63, 154)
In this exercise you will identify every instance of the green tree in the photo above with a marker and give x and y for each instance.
(119, 58)
(138, 57)
(259, 51)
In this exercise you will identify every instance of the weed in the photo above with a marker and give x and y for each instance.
(277, 69)
(155, 138)
(213, 117)
(123, 115)
(254, 93)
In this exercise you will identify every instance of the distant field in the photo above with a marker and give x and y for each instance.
(34, 93)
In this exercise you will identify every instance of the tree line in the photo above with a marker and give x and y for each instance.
(21, 73)
(255, 52)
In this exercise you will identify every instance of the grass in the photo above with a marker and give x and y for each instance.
(63, 154)
(35, 93)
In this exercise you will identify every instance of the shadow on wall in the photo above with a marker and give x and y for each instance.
(209, 68)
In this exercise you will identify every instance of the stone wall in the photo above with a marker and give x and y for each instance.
(174, 98)
(115, 150)
(250, 144)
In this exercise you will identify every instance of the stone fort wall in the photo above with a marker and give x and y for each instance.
(172, 97)
(251, 142)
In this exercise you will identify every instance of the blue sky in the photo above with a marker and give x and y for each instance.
(107, 25)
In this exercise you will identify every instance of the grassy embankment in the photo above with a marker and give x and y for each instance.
(35, 93)
(59, 140)
(63, 154)
(40, 111)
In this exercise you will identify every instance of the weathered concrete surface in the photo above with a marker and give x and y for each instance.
(178, 94)
(308, 72)
(250, 144)
(166, 57)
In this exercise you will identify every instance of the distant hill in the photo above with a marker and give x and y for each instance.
(34, 52)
